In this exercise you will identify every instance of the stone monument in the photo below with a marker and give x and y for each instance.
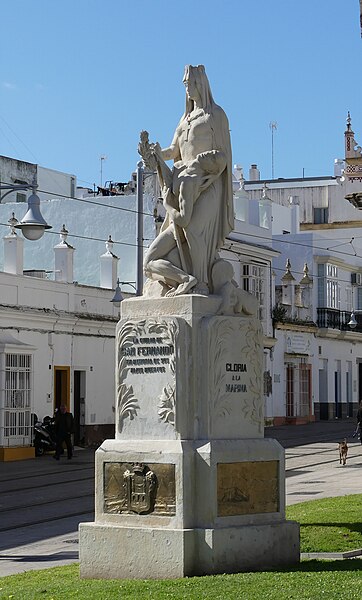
(189, 486)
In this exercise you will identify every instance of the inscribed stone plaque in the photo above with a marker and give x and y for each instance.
(235, 376)
(118, 495)
(247, 488)
(146, 378)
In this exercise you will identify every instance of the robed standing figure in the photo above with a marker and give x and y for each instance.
(197, 193)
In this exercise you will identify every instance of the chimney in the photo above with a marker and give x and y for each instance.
(109, 266)
(63, 254)
(254, 173)
(13, 250)
(339, 165)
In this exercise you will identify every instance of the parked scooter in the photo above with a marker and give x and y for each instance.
(44, 436)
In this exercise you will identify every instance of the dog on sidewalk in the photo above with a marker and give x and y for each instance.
(343, 451)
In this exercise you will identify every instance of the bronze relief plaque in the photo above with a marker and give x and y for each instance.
(246, 488)
(137, 488)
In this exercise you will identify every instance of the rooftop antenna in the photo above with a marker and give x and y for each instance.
(273, 127)
(102, 158)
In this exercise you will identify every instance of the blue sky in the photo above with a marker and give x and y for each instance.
(81, 78)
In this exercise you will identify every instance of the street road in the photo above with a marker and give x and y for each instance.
(42, 501)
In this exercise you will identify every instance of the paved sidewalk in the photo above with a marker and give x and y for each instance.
(320, 431)
(312, 460)
(42, 501)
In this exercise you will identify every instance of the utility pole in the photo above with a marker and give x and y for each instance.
(102, 158)
(139, 273)
(273, 127)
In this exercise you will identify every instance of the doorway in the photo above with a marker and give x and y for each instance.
(359, 398)
(61, 387)
(79, 408)
(349, 389)
(337, 394)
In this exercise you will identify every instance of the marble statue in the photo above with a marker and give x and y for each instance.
(196, 192)
(189, 486)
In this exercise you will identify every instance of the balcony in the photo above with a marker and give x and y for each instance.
(337, 319)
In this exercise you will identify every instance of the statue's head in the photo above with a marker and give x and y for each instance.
(197, 87)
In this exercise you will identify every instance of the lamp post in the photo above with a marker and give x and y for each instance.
(118, 297)
(32, 225)
(102, 158)
(352, 322)
(141, 174)
(139, 234)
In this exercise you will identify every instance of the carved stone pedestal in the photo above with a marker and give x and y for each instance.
(189, 486)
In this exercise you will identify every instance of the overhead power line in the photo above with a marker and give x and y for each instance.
(87, 201)
(244, 234)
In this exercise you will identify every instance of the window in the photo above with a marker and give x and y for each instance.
(17, 399)
(320, 216)
(321, 289)
(359, 298)
(349, 303)
(332, 270)
(298, 389)
(333, 289)
(240, 208)
(328, 286)
(253, 281)
(20, 197)
(332, 294)
(263, 215)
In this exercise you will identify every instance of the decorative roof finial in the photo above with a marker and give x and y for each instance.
(12, 223)
(109, 247)
(264, 195)
(306, 280)
(63, 234)
(348, 121)
(288, 275)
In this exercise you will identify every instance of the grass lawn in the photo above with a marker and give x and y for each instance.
(311, 580)
(330, 524)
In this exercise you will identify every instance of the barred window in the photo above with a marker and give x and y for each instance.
(298, 388)
(17, 399)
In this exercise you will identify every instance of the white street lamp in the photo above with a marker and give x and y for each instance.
(32, 225)
(352, 323)
(118, 297)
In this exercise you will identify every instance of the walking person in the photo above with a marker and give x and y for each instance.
(359, 420)
(64, 427)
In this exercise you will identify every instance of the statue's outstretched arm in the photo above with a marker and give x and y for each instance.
(153, 159)
(173, 151)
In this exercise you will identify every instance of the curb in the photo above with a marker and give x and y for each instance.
(331, 555)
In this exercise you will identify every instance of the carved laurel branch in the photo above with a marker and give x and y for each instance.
(167, 404)
(253, 405)
(126, 401)
(218, 347)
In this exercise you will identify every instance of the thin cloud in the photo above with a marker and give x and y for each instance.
(8, 86)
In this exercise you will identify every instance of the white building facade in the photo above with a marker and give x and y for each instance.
(318, 277)
(56, 347)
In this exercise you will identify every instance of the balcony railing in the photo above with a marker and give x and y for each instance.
(337, 319)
